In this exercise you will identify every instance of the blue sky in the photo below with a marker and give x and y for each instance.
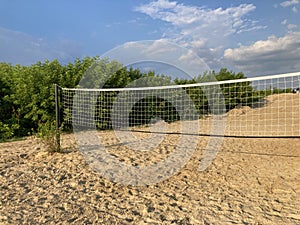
(255, 37)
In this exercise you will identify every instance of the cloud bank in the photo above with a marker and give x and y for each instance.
(210, 33)
(205, 31)
(274, 55)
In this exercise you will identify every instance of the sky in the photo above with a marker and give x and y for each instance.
(255, 37)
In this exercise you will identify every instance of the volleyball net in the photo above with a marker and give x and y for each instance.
(265, 106)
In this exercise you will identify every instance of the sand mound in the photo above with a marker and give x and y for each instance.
(239, 111)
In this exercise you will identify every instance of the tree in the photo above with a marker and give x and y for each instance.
(7, 128)
(27, 93)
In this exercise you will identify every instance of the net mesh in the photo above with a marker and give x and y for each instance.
(263, 106)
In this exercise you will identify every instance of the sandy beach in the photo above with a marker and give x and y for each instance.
(251, 180)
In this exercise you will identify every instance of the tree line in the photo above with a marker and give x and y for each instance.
(27, 92)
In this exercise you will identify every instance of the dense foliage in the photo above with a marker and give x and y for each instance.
(27, 92)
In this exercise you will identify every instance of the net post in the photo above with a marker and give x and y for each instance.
(57, 116)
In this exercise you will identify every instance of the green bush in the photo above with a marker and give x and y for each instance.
(48, 135)
(7, 131)
(27, 93)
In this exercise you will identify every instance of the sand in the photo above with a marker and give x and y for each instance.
(251, 180)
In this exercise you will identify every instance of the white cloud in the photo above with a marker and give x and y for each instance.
(21, 48)
(204, 30)
(292, 26)
(289, 3)
(274, 55)
(153, 8)
(159, 52)
(294, 9)
(159, 47)
(289, 25)
(284, 22)
(189, 17)
(191, 60)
